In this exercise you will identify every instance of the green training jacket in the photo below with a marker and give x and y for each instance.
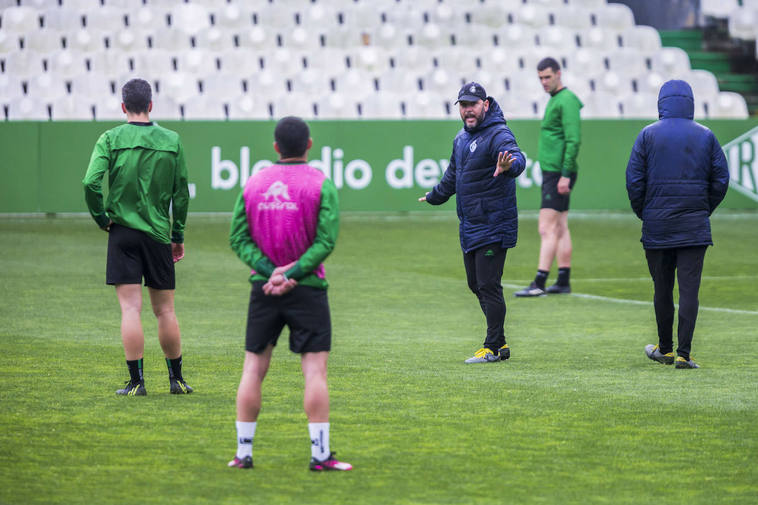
(147, 179)
(560, 134)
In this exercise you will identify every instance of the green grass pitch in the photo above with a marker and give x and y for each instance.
(577, 416)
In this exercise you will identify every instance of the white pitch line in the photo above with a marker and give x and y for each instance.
(640, 302)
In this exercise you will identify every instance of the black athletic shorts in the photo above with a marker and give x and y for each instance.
(133, 254)
(305, 310)
(551, 199)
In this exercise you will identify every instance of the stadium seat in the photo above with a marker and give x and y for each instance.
(616, 16)
(214, 38)
(517, 36)
(202, 107)
(704, 84)
(532, 15)
(729, 105)
(180, 86)
(718, 8)
(190, 18)
(10, 87)
(45, 87)
(43, 41)
(248, 107)
(384, 105)
(64, 19)
(312, 81)
(515, 107)
(232, 16)
(256, 37)
(743, 23)
(129, 39)
(240, 61)
(197, 61)
(571, 16)
(557, 38)
(25, 108)
(294, 104)
(72, 107)
(602, 39)
(150, 18)
(105, 17)
(627, 61)
(643, 38)
(640, 106)
(601, 105)
(336, 106)
(9, 42)
(672, 62)
(20, 20)
(165, 107)
(222, 84)
(424, 105)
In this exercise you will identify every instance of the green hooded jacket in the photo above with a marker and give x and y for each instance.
(560, 133)
(147, 180)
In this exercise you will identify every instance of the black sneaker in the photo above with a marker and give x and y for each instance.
(685, 363)
(504, 352)
(330, 463)
(531, 290)
(555, 289)
(179, 387)
(133, 389)
(246, 462)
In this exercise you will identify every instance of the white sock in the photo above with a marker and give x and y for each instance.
(245, 434)
(319, 440)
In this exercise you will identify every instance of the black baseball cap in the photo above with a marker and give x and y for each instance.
(471, 92)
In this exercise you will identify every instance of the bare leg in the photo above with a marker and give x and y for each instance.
(564, 242)
(316, 398)
(130, 300)
(549, 228)
(162, 301)
(249, 392)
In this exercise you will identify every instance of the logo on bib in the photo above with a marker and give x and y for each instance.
(274, 196)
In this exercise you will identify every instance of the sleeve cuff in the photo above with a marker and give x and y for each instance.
(295, 272)
(102, 220)
(177, 237)
(264, 267)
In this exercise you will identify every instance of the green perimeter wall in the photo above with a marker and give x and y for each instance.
(377, 165)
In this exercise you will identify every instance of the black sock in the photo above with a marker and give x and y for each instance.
(563, 276)
(135, 369)
(541, 278)
(174, 367)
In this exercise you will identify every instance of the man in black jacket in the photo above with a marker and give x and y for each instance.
(676, 177)
(482, 171)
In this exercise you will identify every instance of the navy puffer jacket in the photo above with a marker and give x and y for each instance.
(486, 205)
(677, 174)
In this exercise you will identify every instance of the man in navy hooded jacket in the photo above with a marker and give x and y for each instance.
(482, 171)
(676, 177)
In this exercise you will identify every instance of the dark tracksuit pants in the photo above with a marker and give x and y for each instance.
(484, 270)
(687, 262)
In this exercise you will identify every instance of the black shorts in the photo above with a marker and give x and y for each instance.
(133, 254)
(551, 199)
(305, 310)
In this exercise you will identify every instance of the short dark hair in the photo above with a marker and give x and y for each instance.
(546, 63)
(291, 135)
(136, 95)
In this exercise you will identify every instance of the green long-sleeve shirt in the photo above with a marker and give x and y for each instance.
(308, 270)
(147, 180)
(560, 133)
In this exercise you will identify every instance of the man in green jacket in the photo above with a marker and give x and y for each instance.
(147, 181)
(558, 147)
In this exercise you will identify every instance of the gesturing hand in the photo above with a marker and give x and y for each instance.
(504, 162)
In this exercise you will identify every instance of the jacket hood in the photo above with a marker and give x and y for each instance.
(675, 100)
(494, 115)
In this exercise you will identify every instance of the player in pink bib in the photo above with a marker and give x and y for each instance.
(285, 224)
